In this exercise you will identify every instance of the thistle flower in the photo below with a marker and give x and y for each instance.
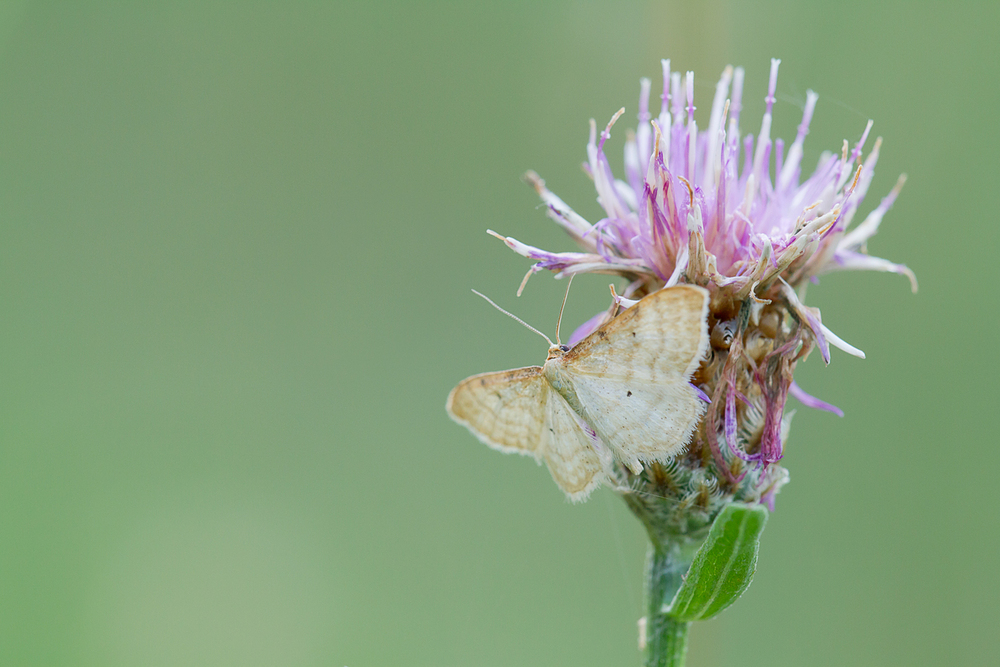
(732, 213)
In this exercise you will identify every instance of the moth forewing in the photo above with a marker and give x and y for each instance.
(516, 412)
(630, 378)
(640, 422)
(666, 332)
(505, 410)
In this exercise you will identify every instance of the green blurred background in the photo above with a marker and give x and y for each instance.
(236, 253)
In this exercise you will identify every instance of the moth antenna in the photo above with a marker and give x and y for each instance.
(615, 303)
(563, 307)
(524, 281)
(511, 315)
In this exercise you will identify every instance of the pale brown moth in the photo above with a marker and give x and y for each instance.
(628, 380)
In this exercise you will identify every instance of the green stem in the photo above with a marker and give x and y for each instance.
(666, 638)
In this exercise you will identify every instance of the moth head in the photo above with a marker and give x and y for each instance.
(556, 351)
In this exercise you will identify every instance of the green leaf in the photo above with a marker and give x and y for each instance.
(724, 565)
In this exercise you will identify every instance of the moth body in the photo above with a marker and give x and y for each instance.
(556, 375)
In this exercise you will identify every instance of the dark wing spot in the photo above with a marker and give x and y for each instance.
(633, 334)
(482, 382)
(601, 334)
(628, 394)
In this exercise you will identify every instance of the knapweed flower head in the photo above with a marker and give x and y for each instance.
(737, 214)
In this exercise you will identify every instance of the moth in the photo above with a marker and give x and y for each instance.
(626, 385)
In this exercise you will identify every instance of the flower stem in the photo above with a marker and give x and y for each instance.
(666, 638)
(669, 647)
